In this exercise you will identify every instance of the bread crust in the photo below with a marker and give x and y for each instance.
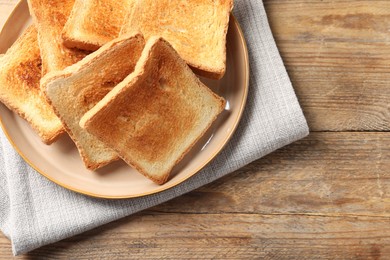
(196, 29)
(156, 115)
(20, 73)
(76, 89)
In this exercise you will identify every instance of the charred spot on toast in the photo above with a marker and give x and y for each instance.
(30, 72)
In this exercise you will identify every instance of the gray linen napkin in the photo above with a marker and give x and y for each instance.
(35, 212)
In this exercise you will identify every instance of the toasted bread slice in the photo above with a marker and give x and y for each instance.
(195, 28)
(76, 89)
(93, 23)
(20, 73)
(156, 114)
(50, 16)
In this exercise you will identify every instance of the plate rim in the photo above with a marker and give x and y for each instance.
(169, 185)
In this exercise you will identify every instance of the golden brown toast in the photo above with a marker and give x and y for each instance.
(154, 117)
(49, 17)
(196, 29)
(20, 73)
(76, 89)
(93, 23)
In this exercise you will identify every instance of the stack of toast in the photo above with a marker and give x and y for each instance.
(119, 77)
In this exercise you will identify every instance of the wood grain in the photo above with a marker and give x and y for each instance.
(324, 174)
(337, 54)
(322, 196)
(227, 236)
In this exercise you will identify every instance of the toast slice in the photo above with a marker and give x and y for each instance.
(196, 29)
(76, 89)
(154, 117)
(92, 23)
(50, 16)
(20, 73)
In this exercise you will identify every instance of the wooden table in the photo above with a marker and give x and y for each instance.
(324, 197)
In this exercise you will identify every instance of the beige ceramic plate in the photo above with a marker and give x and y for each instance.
(61, 163)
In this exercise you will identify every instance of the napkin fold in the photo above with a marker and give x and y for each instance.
(35, 212)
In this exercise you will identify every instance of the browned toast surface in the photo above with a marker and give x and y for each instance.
(75, 90)
(50, 17)
(156, 114)
(195, 28)
(92, 23)
(20, 73)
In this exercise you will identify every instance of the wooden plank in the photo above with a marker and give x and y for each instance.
(154, 235)
(326, 196)
(345, 102)
(330, 20)
(325, 173)
(337, 53)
